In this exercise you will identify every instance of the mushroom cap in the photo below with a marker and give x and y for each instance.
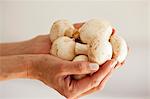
(63, 47)
(95, 28)
(81, 58)
(99, 51)
(61, 28)
(120, 48)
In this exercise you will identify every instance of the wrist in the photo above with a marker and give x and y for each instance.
(16, 48)
(34, 69)
(15, 66)
(37, 45)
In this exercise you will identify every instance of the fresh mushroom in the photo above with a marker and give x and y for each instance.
(120, 48)
(98, 51)
(63, 47)
(80, 58)
(95, 28)
(61, 28)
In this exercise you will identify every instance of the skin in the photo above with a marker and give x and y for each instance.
(38, 45)
(31, 59)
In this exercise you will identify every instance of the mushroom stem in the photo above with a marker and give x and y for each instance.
(81, 49)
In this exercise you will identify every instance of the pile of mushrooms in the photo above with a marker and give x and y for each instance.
(94, 41)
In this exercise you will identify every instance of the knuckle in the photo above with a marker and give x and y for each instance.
(95, 83)
(81, 67)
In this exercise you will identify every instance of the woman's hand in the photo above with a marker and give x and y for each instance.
(56, 73)
(53, 71)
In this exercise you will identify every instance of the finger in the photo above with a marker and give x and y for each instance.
(113, 31)
(100, 86)
(78, 25)
(104, 81)
(88, 83)
(123, 62)
(119, 65)
(104, 70)
(79, 68)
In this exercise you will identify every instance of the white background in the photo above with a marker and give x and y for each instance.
(22, 20)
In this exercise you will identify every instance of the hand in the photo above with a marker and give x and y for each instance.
(56, 72)
(52, 71)
(104, 80)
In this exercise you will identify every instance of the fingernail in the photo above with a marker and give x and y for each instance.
(113, 64)
(94, 66)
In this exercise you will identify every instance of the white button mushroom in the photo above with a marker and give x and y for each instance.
(120, 48)
(80, 58)
(95, 28)
(63, 47)
(98, 51)
(61, 28)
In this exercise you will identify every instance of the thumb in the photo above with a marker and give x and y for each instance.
(80, 67)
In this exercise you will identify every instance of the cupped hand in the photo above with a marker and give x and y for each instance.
(56, 73)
